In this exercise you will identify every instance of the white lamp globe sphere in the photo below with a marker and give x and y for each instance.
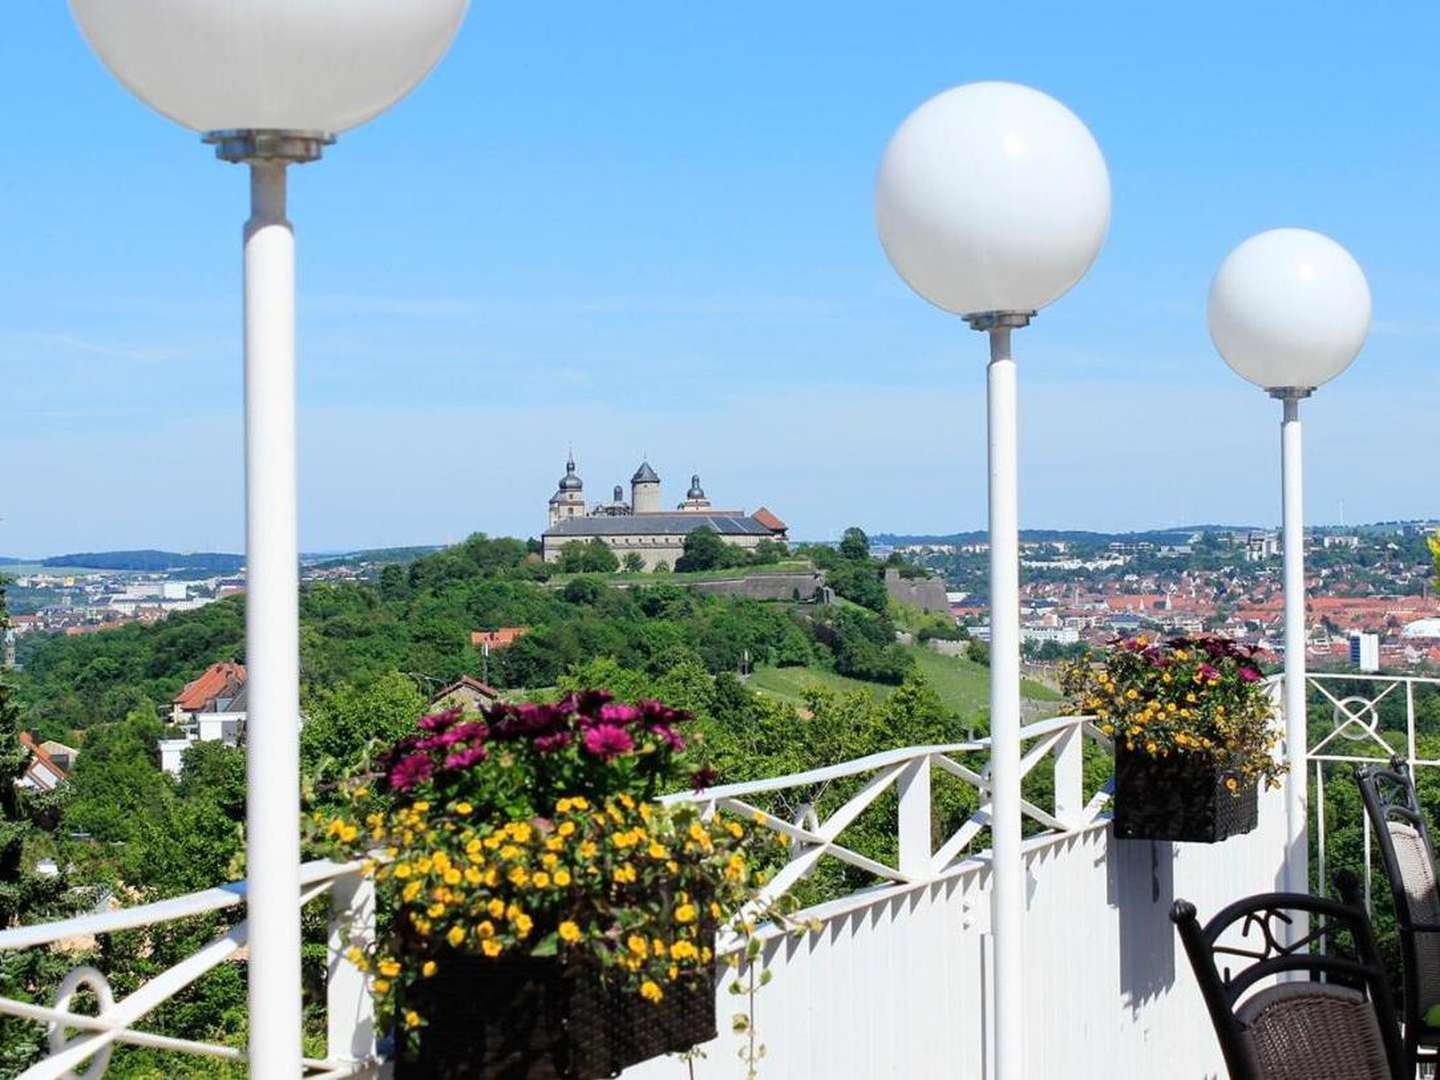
(992, 197)
(315, 66)
(1289, 308)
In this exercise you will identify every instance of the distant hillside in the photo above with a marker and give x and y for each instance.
(152, 561)
(6, 560)
(1074, 536)
(372, 555)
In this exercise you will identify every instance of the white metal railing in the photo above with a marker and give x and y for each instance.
(351, 1035)
(350, 1048)
(908, 771)
(1356, 737)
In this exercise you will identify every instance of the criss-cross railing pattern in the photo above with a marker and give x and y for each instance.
(908, 772)
(1363, 729)
(351, 1031)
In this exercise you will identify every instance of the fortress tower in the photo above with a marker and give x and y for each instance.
(569, 500)
(645, 490)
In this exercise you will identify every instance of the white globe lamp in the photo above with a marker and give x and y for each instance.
(270, 83)
(992, 197)
(1289, 310)
(315, 66)
(992, 201)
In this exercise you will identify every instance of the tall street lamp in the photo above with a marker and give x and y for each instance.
(1289, 310)
(270, 83)
(992, 201)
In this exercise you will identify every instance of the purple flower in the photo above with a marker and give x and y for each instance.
(438, 722)
(703, 778)
(410, 771)
(465, 758)
(671, 737)
(1205, 671)
(1249, 674)
(588, 701)
(549, 744)
(618, 714)
(607, 742)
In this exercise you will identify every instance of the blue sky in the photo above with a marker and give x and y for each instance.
(646, 228)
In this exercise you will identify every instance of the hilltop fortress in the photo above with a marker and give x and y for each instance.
(642, 526)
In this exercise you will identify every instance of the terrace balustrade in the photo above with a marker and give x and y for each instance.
(897, 980)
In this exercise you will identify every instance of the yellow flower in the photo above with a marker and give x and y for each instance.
(463, 809)
(637, 945)
(522, 924)
(577, 803)
(412, 1018)
(1231, 784)
(588, 849)
(735, 828)
(389, 968)
(625, 874)
(485, 930)
(519, 831)
(402, 870)
(421, 806)
(541, 880)
(519, 876)
(491, 947)
(569, 931)
(472, 876)
(496, 908)
(562, 878)
(656, 851)
(456, 936)
(684, 950)
(452, 876)
(685, 913)
(428, 968)
(651, 992)
(566, 828)
(563, 806)
(382, 986)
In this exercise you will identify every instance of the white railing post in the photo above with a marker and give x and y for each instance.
(1297, 737)
(914, 819)
(1069, 790)
(350, 1013)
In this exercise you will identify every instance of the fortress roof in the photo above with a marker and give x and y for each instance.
(674, 524)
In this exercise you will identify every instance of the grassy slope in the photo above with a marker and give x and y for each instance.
(963, 684)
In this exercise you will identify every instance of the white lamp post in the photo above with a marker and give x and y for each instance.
(270, 83)
(992, 201)
(1289, 310)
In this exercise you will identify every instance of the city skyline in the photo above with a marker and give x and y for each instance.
(667, 246)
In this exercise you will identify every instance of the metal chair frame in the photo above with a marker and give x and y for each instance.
(1389, 795)
(1272, 915)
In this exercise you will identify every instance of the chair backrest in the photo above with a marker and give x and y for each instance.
(1409, 858)
(1336, 1024)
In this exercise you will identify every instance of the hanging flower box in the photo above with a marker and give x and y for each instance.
(536, 1019)
(1182, 797)
(542, 915)
(1194, 735)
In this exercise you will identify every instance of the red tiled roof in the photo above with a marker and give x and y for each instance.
(498, 639)
(769, 520)
(215, 681)
(38, 755)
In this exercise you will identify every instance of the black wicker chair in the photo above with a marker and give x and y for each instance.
(1337, 1024)
(1409, 858)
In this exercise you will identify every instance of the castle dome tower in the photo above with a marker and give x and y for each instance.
(569, 500)
(695, 498)
(645, 490)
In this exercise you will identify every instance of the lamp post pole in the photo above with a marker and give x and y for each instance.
(1007, 882)
(272, 614)
(1297, 854)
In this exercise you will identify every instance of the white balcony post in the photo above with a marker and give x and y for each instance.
(1007, 895)
(1069, 775)
(1297, 861)
(349, 1010)
(272, 645)
(914, 819)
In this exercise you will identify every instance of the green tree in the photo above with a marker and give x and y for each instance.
(25, 896)
(704, 550)
(592, 557)
(341, 722)
(854, 545)
(634, 562)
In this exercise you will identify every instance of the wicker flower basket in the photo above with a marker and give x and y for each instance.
(531, 1019)
(1182, 797)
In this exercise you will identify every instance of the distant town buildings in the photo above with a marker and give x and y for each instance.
(642, 526)
(49, 765)
(1365, 651)
(467, 694)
